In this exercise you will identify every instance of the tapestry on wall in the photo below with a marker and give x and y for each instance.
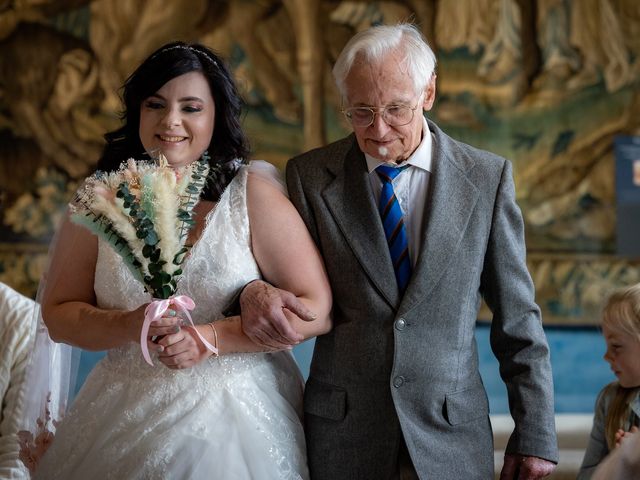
(548, 84)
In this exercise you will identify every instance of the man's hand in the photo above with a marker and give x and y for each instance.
(519, 467)
(263, 312)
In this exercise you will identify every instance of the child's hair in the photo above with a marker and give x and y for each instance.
(622, 313)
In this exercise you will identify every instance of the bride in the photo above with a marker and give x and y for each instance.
(193, 414)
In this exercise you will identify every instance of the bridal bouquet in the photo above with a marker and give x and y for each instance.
(144, 211)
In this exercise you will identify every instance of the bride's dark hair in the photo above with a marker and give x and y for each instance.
(228, 147)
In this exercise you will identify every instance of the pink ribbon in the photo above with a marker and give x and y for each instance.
(156, 309)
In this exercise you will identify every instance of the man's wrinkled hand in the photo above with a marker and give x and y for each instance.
(264, 309)
(520, 467)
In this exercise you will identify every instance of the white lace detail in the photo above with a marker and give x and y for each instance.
(236, 416)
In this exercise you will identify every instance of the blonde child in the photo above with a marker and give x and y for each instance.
(617, 411)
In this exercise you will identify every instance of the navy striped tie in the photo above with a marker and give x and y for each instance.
(393, 224)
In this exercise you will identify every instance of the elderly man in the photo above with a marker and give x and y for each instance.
(415, 227)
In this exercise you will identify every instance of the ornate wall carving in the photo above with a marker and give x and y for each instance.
(546, 83)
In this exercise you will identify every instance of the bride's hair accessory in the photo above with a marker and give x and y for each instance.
(189, 48)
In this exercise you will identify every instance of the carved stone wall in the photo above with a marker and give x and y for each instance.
(547, 84)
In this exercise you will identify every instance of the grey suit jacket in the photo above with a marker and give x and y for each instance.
(407, 366)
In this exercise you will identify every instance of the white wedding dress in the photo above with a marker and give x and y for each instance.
(231, 417)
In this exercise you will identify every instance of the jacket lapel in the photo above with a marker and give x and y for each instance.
(349, 198)
(451, 200)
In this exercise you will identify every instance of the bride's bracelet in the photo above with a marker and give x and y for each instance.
(215, 337)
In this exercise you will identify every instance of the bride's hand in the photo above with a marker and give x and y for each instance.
(168, 324)
(623, 436)
(183, 349)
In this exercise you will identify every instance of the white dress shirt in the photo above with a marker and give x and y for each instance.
(411, 188)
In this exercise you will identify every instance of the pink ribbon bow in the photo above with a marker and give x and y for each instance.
(156, 309)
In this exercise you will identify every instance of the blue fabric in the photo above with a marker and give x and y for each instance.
(393, 223)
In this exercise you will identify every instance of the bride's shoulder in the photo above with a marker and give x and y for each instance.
(264, 178)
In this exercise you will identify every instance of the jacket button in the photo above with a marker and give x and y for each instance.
(400, 324)
(398, 381)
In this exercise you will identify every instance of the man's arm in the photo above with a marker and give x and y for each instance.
(263, 307)
(518, 340)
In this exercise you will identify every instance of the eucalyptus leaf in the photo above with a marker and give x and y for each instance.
(147, 251)
(167, 291)
(156, 282)
(151, 238)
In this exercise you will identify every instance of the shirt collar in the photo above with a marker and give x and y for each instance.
(421, 158)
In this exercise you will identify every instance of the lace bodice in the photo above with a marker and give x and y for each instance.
(222, 252)
(219, 263)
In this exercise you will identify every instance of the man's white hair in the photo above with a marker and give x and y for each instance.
(375, 43)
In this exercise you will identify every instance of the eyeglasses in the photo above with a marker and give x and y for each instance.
(393, 115)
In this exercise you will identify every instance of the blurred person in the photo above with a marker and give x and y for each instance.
(617, 409)
(17, 331)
